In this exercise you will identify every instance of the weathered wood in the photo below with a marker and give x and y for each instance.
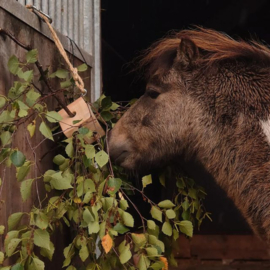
(222, 247)
(50, 58)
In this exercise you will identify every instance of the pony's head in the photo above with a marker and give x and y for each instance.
(201, 86)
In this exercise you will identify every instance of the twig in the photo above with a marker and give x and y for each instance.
(137, 210)
(35, 160)
(39, 67)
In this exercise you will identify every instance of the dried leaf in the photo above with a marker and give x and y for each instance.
(107, 243)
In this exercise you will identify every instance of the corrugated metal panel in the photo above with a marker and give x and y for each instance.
(74, 18)
(80, 21)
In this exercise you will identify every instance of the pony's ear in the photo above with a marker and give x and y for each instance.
(187, 53)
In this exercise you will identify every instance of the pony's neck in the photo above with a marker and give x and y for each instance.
(238, 157)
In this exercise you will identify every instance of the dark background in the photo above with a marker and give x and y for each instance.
(130, 26)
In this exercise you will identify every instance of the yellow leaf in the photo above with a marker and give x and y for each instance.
(107, 243)
(164, 260)
(77, 200)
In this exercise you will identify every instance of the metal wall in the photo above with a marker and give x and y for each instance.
(80, 21)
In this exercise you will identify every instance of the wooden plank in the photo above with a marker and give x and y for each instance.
(48, 57)
(226, 247)
(184, 264)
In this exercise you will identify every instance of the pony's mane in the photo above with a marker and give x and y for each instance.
(215, 46)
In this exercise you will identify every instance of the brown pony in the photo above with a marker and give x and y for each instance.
(207, 96)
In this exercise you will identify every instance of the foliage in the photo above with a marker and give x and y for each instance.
(84, 191)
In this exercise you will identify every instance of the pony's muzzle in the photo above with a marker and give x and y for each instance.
(118, 147)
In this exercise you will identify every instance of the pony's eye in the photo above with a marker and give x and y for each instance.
(152, 93)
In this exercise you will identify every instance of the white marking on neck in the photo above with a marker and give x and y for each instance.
(266, 129)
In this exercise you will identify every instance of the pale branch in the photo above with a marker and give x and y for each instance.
(35, 162)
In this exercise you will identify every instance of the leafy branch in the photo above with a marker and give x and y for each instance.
(85, 192)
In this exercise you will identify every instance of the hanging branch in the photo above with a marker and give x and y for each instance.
(40, 69)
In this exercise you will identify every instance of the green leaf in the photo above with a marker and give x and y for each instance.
(39, 107)
(128, 219)
(82, 68)
(101, 158)
(114, 185)
(166, 204)
(143, 263)
(107, 116)
(157, 266)
(106, 103)
(53, 117)
(147, 180)
(125, 253)
(48, 253)
(61, 73)
(87, 216)
(59, 160)
(61, 181)
(14, 219)
(27, 75)
(39, 265)
(17, 266)
(12, 246)
(93, 227)
(13, 64)
(48, 175)
(90, 151)
(9, 236)
(32, 56)
(83, 130)
(2, 256)
(186, 227)
(151, 224)
(162, 180)
(167, 228)
(5, 117)
(31, 97)
(192, 193)
(84, 253)
(68, 251)
(76, 122)
(25, 189)
(114, 106)
(71, 267)
(123, 204)
(42, 221)
(17, 158)
(22, 172)
(70, 150)
(151, 252)
(2, 102)
(66, 84)
(5, 138)
(185, 205)
(42, 239)
(154, 241)
(22, 113)
(156, 213)
(45, 131)
(170, 213)
(2, 229)
(87, 185)
(120, 228)
(31, 128)
(139, 240)
(175, 234)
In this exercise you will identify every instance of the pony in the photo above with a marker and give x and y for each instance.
(207, 97)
